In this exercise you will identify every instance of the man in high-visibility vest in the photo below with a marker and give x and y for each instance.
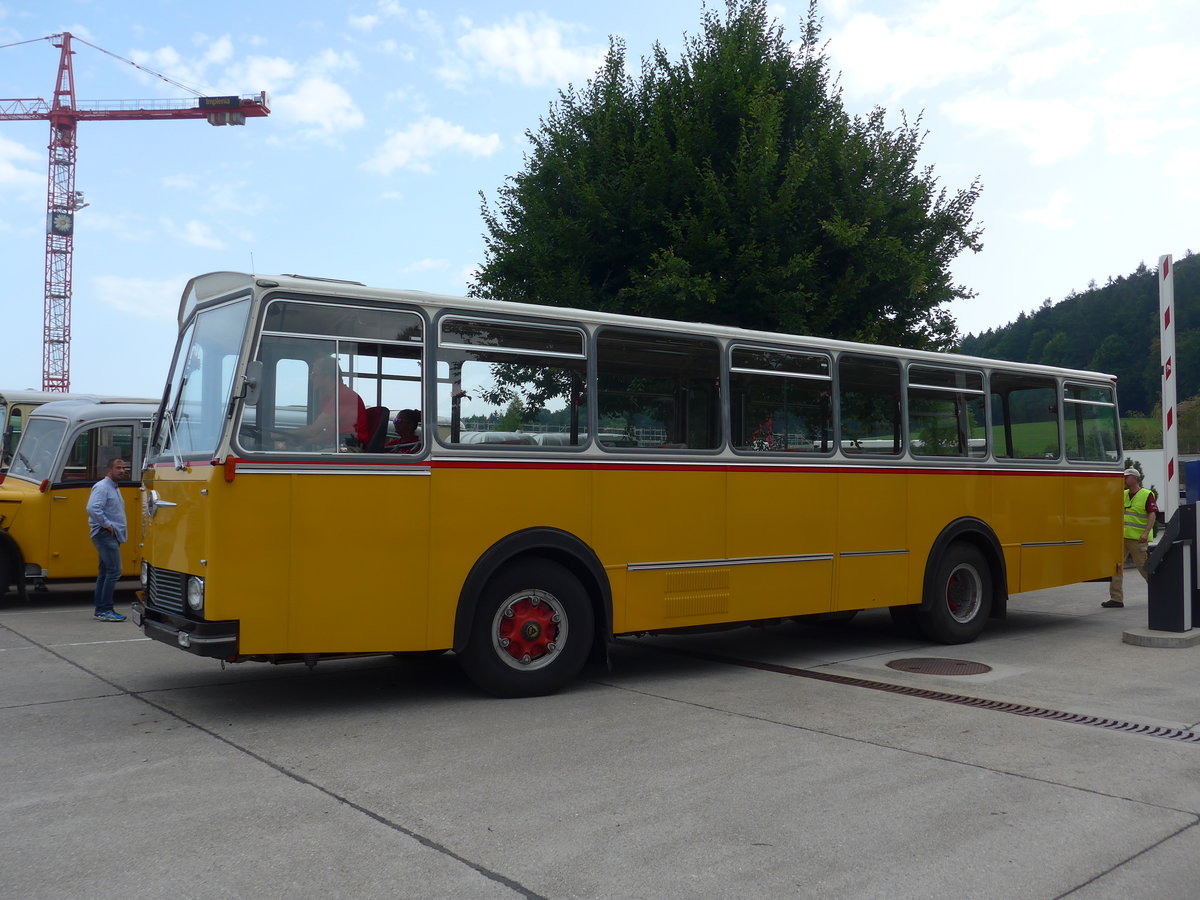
(1140, 513)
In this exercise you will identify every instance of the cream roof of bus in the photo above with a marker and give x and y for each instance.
(86, 411)
(31, 396)
(215, 284)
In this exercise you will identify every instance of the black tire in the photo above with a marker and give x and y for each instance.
(960, 599)
(532, 631)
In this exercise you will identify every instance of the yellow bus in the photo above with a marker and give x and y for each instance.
(704, 476)
(65, 448)
(16, 405)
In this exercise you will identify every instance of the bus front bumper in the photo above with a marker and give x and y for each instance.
(218, 640)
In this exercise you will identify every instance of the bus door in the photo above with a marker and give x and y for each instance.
(88, 453)
(347, 525)
(780, 423)
(1029, 505)
(663, 518)
(872, 510)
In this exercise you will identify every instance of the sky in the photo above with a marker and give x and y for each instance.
(1081, 119)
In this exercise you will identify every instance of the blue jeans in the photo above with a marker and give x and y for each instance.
(109, 549)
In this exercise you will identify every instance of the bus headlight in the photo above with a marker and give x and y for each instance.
(144, 575)
(195, 593)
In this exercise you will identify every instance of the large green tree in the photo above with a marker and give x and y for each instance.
(730, 186)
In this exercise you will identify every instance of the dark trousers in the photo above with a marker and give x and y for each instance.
(109, 549)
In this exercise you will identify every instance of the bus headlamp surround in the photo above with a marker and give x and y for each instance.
(144, 574)
(195, 593)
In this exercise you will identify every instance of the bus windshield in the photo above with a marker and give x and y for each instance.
(197, 396)
(37, 450)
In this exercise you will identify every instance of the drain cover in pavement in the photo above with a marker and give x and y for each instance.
(939, 666)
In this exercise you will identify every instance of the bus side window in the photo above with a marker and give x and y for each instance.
(662, 389)
(511, 384)
(780, 400)
(869, 405)
(1024, 416)
(76, 466)
(945, 412)
(1092, 423)
(378, 355)
(92, 451)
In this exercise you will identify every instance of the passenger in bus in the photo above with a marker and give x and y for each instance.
(406, 440)
(341, 413)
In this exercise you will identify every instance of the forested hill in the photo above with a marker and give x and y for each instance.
(1114, 329)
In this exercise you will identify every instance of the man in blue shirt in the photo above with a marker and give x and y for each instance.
(106, 517)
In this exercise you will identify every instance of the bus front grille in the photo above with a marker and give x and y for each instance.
(167, 590)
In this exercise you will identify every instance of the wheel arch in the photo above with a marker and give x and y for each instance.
(980, 535)
(539, 543)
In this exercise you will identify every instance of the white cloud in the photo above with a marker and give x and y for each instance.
(194, 233)
(1050, 129)
(1075, 68)
(13, 174)
(939, 42)
(1152, 74)
(1037, 66)
(1184, 163)
(1181, 168)
(364, 23)
(425, 265)
(330, 60)
(530, 49)
(421, 21)
(454, 72)
(193, 72)
(142, 297)
(1137, 135)
(124, 225)
(1053, 216)
(322, 105)
(411, 148)
(263, 73)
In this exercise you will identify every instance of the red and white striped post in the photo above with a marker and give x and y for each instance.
(1168, 497)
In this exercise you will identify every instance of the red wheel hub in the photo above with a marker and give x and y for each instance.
(955, 589)
(528, 629)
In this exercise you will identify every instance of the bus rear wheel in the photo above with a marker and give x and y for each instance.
(960, 598)
(532, 631)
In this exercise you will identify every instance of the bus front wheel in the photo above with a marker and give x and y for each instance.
(961, 596)
(532, 631)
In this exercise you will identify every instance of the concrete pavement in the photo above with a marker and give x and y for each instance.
(135, 770)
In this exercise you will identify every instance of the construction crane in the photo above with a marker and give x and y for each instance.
(63, 201)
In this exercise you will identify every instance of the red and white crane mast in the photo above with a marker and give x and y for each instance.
(60, 229)
(62, 200)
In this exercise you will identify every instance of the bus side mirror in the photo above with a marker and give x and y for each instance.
(250, 382)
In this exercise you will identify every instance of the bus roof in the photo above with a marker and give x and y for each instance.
(96, 410)
(8, 397)
(31, 396)
(213, 285)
